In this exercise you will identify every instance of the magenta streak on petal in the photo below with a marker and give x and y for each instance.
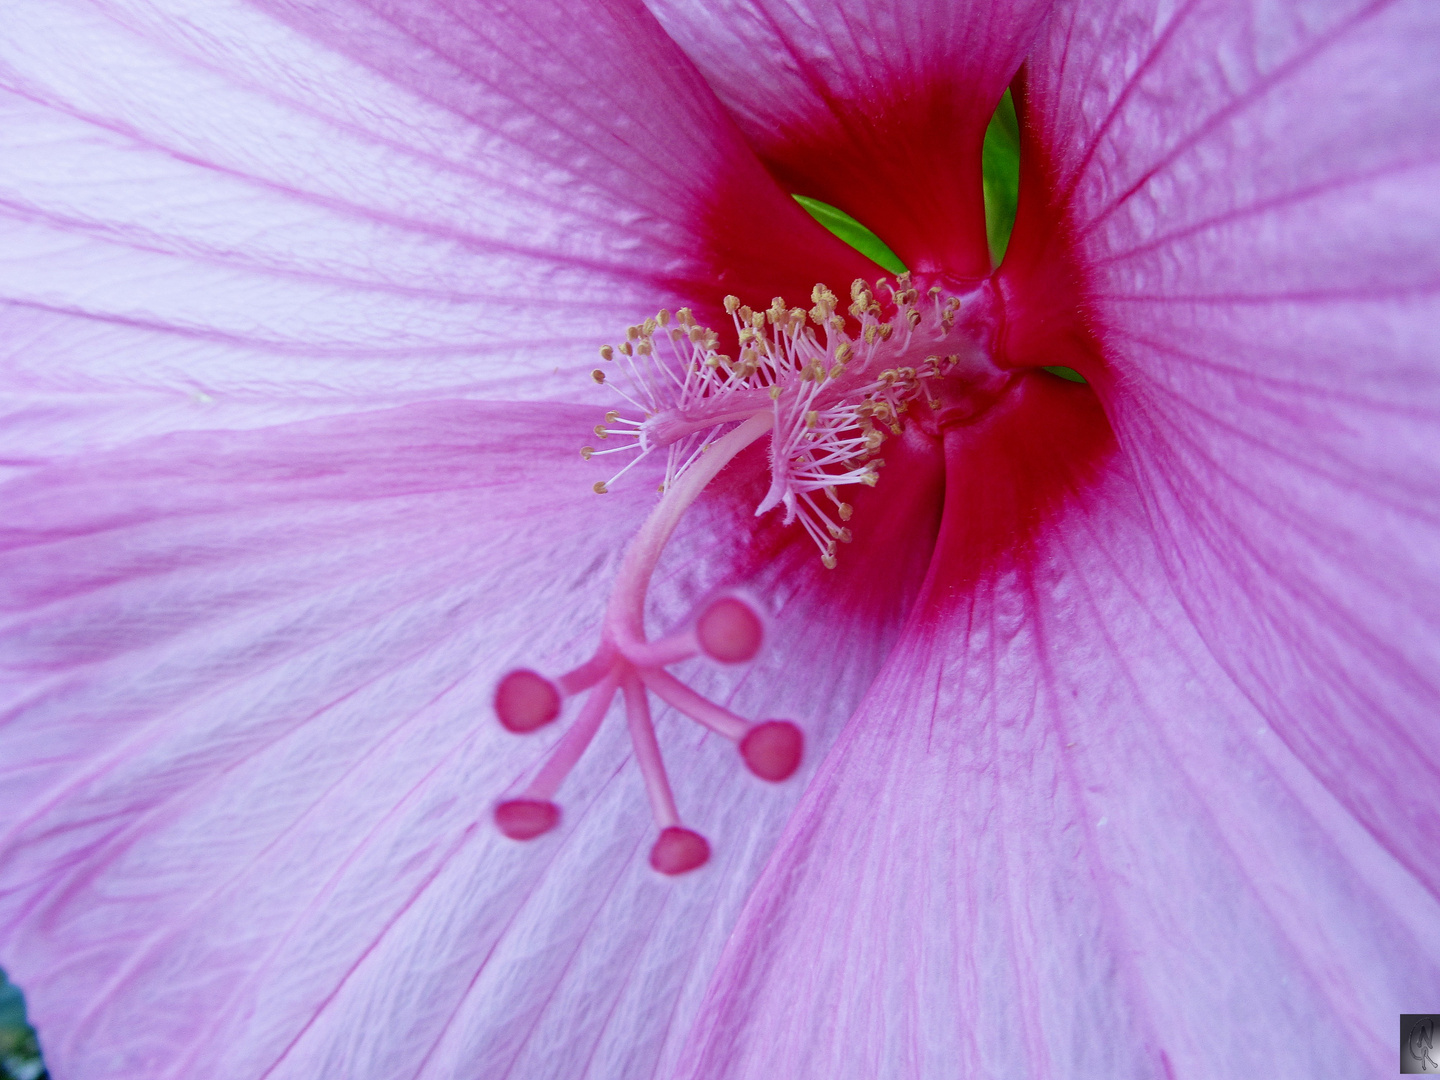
(434, 873)
(1254, 94)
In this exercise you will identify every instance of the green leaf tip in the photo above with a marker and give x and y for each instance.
(853, 233)
(1000, 165)
(1065, 373)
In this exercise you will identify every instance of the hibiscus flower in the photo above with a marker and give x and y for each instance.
(1117, 709)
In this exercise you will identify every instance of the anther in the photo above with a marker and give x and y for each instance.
(586, 451)
(598, 375)
(607, 353)
(599, 488)
(526, 700)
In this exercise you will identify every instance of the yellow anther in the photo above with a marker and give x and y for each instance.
(633, 333)
(934, 290)
(586, 451)
(844, 352)
(598, 375)
(913, 318)
(732, 304)
(685, 317)
(612, 416)
(845, 510)
(600, 488)
(858, 286)
(607, 353)
(626, 349)
(837, 371)
(885, 331)
(662, 317)
(774, 393)
(644, 348)
(812, 418)
(697, 335)
(600, 431)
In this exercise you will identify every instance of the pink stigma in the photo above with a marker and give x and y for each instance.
(678, 851)
(525, 819)
(729, 631)
(525, 701)
(773, 749)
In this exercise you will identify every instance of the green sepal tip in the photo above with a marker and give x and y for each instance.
(853, 233)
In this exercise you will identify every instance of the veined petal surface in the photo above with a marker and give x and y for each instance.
(1057, 840)
(366, 200)
(1249, 191)
(1154, 794)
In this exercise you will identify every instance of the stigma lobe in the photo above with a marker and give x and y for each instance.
(678, 851)
(526, 700)
(525, 819)
(773, 749)
(729, 631)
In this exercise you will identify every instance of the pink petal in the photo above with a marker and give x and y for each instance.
(877, 107)
(371, 202)
(1057, 840)
(249, 757)
(1250, 193)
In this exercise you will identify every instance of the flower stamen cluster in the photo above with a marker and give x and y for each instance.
(827, 388)
(835, 387)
